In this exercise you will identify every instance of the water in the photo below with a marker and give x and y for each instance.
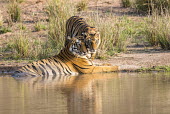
(108, 93)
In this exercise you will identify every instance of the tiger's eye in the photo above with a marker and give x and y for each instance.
(91, 34)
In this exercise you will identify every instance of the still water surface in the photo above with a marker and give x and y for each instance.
(108, 93)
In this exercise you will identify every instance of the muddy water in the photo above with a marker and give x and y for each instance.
(87, 94)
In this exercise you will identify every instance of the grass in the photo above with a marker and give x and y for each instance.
(23, 47)
(116, 32)
(4, 29)
(19, 1)
(39, 26)
(127, 3)
(14, 11)
(158, 31)
(148, 6)
(82, 5)
(1, 18)
(21, 26)
(155, 68)
(58, 12)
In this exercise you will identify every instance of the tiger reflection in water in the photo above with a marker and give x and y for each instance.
(74, 94)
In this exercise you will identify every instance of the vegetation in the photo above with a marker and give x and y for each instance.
(116, 32)
(82, 5)
(126, 3)
(1, 18)
(158, 31)
(152, 5)
(4, 29)
(19, 1)
(148, 6)
(22, 46)
(58, 12)
(38, 27)
(21, 26)
(14, 11)
(155, 68)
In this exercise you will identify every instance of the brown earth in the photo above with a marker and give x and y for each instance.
(33, 11)
(138, 57)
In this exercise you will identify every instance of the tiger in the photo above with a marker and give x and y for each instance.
(69, 61)
(76, 26)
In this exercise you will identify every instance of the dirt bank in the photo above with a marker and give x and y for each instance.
(138, 57)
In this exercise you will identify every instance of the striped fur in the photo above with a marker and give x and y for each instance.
(77, 27)
(67, 62)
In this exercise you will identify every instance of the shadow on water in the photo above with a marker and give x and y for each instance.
(89, 94)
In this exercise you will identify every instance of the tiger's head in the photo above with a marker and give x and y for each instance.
(77, 46)
(85, 46)
(92, 40)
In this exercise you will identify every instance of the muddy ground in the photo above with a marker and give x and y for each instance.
(136, 56)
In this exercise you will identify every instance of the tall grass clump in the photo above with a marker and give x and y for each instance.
(149, 6)
(14, 11)
(39, 26)
(20, 1)
(127, 3)
(82, 5)
(158, 31)
(58, 12)
(21, 45)
(116, 33)
(24, 47)
(4, 29)
(1, 18)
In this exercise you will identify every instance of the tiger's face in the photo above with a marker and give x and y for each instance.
(92, 40)
(85, 47)
(77, 46)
